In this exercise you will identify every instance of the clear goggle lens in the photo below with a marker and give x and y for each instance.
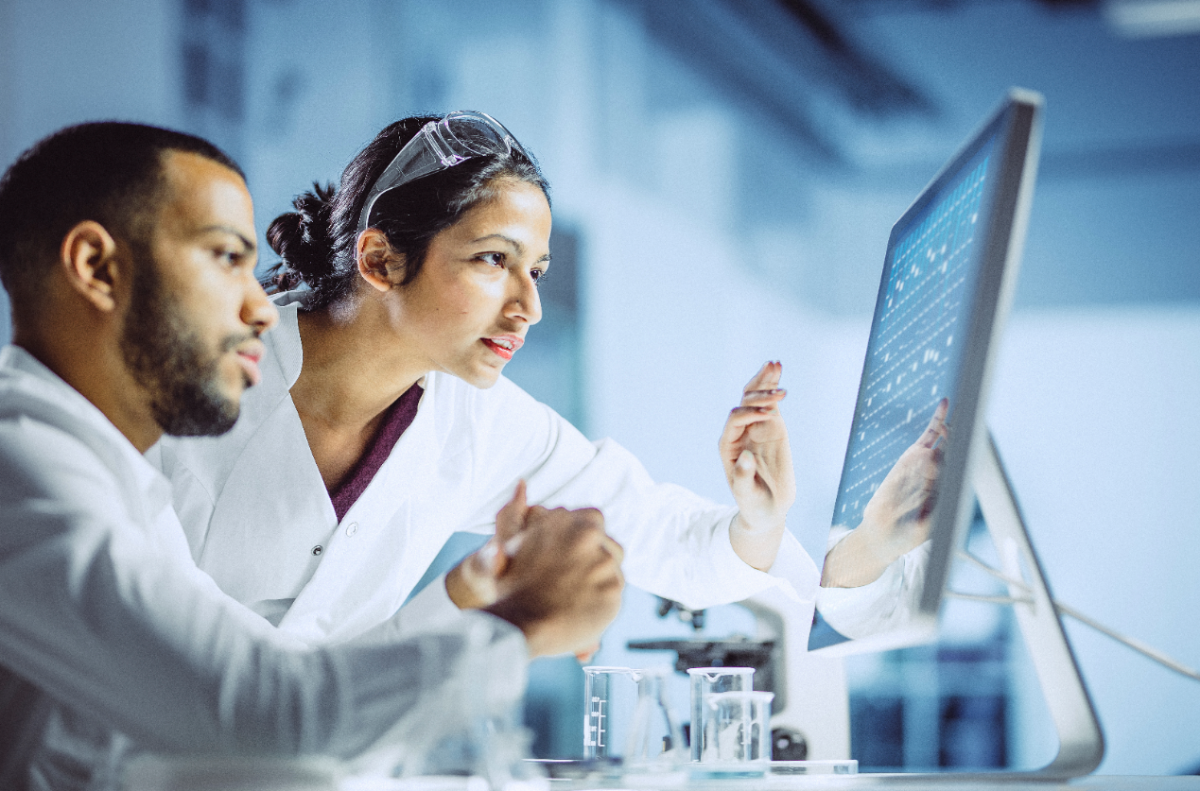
(440, 145)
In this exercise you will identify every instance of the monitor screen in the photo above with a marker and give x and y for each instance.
(947, 275)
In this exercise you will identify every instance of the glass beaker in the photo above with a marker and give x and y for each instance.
(706, 681)
(655, 742)
(609, 696)
(627, 717)
(738, 730)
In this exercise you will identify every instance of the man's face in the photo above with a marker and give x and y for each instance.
(190, 335)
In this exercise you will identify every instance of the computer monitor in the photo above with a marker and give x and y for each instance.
(919, 455)
(948, 277)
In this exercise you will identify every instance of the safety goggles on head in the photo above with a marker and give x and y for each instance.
(439, 145)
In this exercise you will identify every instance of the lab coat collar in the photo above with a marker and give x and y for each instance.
(38, 389)
(333, 599)
(284, 340)
(329, 597)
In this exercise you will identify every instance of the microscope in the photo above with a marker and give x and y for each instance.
(810, 715)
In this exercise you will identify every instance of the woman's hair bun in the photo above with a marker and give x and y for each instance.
(302, 238)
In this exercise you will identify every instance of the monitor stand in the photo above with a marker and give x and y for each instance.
(1081, 743)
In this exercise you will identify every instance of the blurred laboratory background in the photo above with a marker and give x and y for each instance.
(725, 174)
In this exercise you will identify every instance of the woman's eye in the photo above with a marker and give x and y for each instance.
(495, 259)
(538, 275)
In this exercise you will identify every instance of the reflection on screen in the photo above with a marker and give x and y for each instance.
(914, 353)
(917, 346)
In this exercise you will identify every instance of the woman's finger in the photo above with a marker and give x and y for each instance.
(767, 377)
(743, 416)
(768, 397)
(758, 376)
(743, 473)
(937, 426)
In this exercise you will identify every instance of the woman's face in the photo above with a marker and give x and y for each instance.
(468, 310)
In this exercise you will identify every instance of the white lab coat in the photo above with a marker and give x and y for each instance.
(103, 609)
(884, 605)
(254, 506)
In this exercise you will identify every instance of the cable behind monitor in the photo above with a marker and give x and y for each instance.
(1065, 609)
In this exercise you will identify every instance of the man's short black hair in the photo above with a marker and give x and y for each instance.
(109, 171)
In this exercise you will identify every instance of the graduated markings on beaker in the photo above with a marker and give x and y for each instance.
(596, 717)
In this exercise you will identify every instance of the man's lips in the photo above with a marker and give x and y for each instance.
(504, 346)
(248, 357)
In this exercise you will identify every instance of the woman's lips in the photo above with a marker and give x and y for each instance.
(504, 346)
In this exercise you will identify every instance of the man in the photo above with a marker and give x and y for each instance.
(128, 253)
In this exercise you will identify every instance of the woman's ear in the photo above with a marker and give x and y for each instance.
(378, 263)
(88, 258)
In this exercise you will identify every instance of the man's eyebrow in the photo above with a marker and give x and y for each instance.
(248, 243)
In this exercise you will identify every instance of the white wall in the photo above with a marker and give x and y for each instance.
(1095, 414)
(67, 61)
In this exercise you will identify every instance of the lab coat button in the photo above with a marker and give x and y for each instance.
(352, 528)
(318, 549)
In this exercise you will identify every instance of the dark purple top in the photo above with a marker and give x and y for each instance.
(399, 417)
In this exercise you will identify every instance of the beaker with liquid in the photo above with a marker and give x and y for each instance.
(706, 681)
(628, 718)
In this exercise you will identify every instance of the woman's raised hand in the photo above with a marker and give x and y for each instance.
(758, 466)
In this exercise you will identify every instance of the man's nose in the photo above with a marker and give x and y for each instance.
(257, 308)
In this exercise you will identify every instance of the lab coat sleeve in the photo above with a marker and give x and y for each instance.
(676, 543)
(880, 606)
(430, 610)
(102, 614)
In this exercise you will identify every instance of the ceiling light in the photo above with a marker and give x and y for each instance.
(1146, 18)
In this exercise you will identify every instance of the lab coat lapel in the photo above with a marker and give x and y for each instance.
(269, 511)
(362, 578)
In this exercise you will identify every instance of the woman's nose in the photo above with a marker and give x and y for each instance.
(525, 303)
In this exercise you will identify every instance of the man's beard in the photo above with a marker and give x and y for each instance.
(168, 359)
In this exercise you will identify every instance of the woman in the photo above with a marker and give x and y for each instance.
(382, 423)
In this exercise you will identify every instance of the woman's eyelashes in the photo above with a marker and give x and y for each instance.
(500, 260)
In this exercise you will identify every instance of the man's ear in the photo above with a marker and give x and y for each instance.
(88, 258)
(378, 263)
